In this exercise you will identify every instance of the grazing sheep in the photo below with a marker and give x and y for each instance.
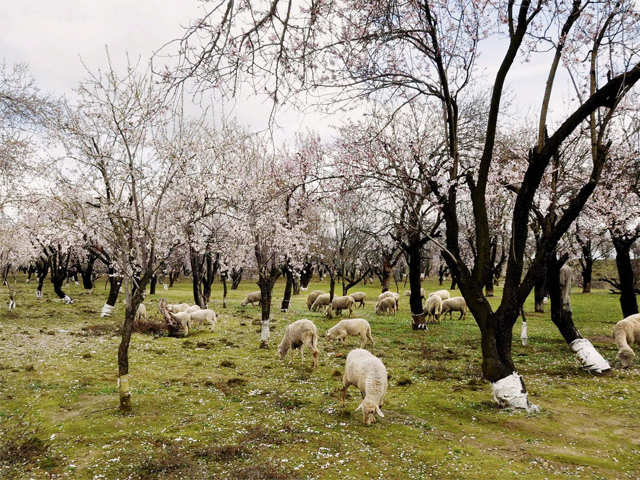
(390, 294)
(368, 373)
(359, 297)
(455, 304)
(322, 301)
(443, 294)
(312, 298)
(407, 293)
(627, 332)
(177, 307)
(434, 307)
(386, 305)
(341, 303)
(202, 316)
(351, 326)
(298, 334)
(141, 314)
(193, 308)
(252, 297)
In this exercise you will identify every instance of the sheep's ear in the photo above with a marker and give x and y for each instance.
(359, 407)
(379, 412)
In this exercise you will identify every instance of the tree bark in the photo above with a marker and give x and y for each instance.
(306, 275)
(266, 284)
(586, 264)
(223, 280)
(152, 284)
(236, 277)
(414, 257)
(288, 288)
(628, 301)
(561, 314)
(539, 292)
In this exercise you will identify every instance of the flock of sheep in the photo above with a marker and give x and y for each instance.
(362, 368)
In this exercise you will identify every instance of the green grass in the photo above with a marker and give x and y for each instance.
(214, 405)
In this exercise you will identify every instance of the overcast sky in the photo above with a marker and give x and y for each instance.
(53, 37)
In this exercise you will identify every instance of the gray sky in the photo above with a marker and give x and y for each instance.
(52, 37)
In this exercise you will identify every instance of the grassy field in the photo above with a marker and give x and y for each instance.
(214, 405)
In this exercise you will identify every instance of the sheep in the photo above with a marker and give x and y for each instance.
(298, 334)
(201, 316)
(394, 295)
(386, 305)
(359, 297)
(434, 307)
(177, 307)
(443, 294)
(423, 294)
(252, 297)
(141, 314)
(368, 373)
(341, 303)
(627, 332)
(193, 308)
(351, 326)
(312, 298)
(455, 304)
(322, 301)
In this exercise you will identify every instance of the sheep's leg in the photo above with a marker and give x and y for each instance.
(461, 315)
(343, 394)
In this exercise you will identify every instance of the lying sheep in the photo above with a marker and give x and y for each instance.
(359, 297)
(368, 373)
(341, 303)
(351, 326)
(298, 334)
(202, 316)
(443, 294)
(455, 304)
(434, 307)
(322, 301)
(386, 305)
(312, 298)
(423, 294)
(627, 332)
(252, 297)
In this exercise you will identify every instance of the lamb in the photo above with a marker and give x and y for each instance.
(193, 308)
(252, 297)
(359, 297)
(299, 334)
(341, 303)
(322, 301)
(386, 305)
(202, 316)
(434, 307)
(443, 294)
(351, 326)
(368, 373)
(312, 298)
(394, 295)
(455, 304)
(177, 307)
(627, 332)
(407, 293)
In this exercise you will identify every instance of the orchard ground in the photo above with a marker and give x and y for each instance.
(214, 405)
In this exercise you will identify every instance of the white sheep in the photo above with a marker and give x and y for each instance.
(252, 297)
(388, 293)
(299, 334)
(351, 326)
(202, 316)
(359, 297)
(455, 304)
(368, 373)
(443, 294)
(177, 307)
(386, 305)
(322, 301)
(341, 303)
(627, 332)
(312, 298)
(434, 307)
(141, 314)
(193, 308)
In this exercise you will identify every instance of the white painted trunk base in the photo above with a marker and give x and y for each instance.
(107, 310)
(509, 392)
(588, 356)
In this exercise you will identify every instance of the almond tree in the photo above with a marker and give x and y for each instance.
(396, 51)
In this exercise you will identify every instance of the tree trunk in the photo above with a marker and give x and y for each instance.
(223, 280)
(173, 276)
(385, 278)
(296, 285)
(586, 264)
(114, 288)
(628, 301)
(87, 273)
(489, 285)
(561, 314)
(414, 257)
(332, 286)
(266, 290)
(196, 277)
(306, 275)
(539, 292)
(287, 290)
(236, 277)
